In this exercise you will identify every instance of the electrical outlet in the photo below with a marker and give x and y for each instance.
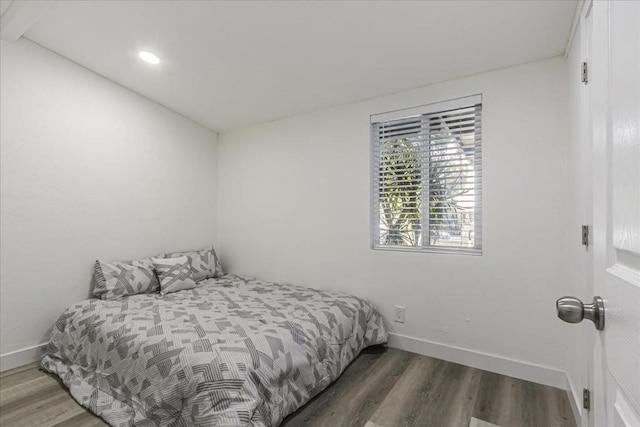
(398, 314)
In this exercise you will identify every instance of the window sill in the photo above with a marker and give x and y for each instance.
(430, 249)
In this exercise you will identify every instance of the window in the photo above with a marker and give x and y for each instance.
(427, 178)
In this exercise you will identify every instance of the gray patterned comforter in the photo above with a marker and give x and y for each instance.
(233, 351)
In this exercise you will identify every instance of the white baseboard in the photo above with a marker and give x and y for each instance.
(21, 357)
(575, 400)
(487, 362)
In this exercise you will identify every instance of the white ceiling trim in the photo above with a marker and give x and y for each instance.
(574, 26)
(19, 16)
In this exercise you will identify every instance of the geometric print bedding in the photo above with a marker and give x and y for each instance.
(120, 278)
(233, 351)
(174, 274)
(204, 263)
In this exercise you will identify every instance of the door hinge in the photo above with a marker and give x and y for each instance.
(586, 399)
(584, 73)
(585, 235)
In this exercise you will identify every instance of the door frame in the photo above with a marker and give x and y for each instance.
(587, 334)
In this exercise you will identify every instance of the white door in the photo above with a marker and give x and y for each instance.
(614, 121)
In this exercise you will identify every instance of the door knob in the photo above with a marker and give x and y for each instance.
(572, 310)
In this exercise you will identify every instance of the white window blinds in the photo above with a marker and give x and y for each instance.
(427, 177)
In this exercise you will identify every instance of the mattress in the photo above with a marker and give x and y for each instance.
(234, 351)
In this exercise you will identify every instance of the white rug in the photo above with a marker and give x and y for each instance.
(479, 423)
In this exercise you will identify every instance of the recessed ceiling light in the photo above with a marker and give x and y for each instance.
(149, 57)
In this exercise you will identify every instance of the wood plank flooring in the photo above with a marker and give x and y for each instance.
(383, 387)
(30, 397)
(386, 387)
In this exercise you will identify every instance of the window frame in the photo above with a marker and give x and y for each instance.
(423, 111)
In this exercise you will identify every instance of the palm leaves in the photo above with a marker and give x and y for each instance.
(400, 193)
(449, 169)
(402, 175)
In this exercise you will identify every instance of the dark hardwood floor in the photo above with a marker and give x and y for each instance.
(383, 387)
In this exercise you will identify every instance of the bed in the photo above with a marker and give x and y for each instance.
(232, 351)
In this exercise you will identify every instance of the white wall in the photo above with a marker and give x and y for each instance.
(294, 206)
(89, 170)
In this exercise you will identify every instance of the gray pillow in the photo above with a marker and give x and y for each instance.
(174, 273)
(117, 279)
(204, 263)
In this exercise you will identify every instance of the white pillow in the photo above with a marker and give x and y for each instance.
(174, 274)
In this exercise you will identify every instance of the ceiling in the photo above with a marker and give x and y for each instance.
(4, 5)
(232, 64)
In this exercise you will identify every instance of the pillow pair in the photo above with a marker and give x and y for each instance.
(120, 278)
(117, 279)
